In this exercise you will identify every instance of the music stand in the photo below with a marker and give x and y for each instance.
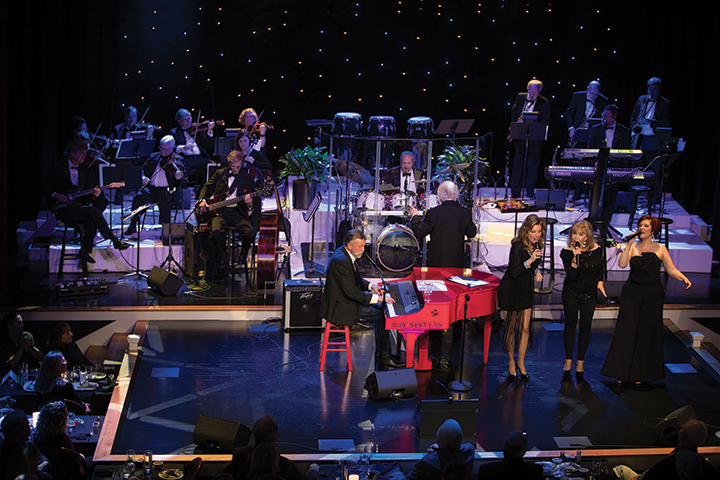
(454, 126)
(134, 149)
(583, 135)
(138, 211)
(308, 216)
(132, 176)
(661, 163)
(528, 130)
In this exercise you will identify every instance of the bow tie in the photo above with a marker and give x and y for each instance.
(610, 128)
(74, 167)
(406, 174)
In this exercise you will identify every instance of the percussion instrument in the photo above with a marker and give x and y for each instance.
(381, 126)
(347, 124)
(420, 127)
(397, 249)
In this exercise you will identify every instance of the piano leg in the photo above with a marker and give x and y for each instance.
(487, 330)
(410, 338)
(423, 362)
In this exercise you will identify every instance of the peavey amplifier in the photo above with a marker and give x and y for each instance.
(302, 302)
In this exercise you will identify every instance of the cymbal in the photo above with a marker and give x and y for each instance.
(454, 168)
(353, 171)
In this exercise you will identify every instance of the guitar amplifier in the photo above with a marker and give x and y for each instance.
(302, 303)
(195, 239)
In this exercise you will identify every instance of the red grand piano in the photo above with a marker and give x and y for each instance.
(440, 309)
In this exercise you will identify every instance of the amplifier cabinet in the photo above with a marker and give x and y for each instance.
(302, 303)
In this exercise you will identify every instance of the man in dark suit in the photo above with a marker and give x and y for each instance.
(512, 466)
(195, 147)
(583, 105)
(348, 297)
(528, 101)
(122, 131)
(650, 111)
(609, 133)
(448, 224)
(233, 182)
(69, 175)
(158, 182)
(403, 178)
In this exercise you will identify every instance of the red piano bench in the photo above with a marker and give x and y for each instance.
(338, 346)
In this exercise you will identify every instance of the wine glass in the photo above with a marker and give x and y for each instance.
(369, 450)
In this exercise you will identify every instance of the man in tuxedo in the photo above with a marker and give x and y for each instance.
(650, 111)
(609, 133)
(69, 175)
(348, 297)
(528, 101)
(584, 105)
(122, 131)
(158, 183)
(195, 147)
(448, 225)
(404, 178)
(233, 182)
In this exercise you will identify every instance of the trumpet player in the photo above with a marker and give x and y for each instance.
(583, 106)
(651, 111)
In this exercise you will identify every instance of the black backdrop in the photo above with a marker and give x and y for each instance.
(305, 59)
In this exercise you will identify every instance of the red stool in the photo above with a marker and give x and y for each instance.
(326, 344)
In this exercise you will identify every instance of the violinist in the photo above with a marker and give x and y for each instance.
(237, 179)
(161, 174)
(195, 144)
(123, 131)
(249, 121)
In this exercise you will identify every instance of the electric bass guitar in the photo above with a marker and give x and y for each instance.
(73, 195)
(214, 204)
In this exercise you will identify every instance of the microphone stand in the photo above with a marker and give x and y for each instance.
(462, 385)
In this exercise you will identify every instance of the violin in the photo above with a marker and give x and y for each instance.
(203, 126)
(168, 164)
(147, 125)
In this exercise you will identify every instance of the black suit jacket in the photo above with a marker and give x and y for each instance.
(510, 469)
(151, 164)
(119, 131)
(541, 105)
(203, 140)
(346, 292)
(575, 113)
(217, 187)
(448, 224)
(57, 180)
(621, 139)
(391, 179)
(662, 112)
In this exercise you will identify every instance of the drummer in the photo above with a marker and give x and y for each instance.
(403, 179)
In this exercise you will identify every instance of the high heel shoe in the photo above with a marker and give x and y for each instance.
(580, 376)
(524, 377)
(566, 375)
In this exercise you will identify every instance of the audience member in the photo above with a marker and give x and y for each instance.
(23, 462)
(16, 431)
(50, 434)
(16, 345)
(456, 471)
(50, 384)
(265, 460)
(692, 434)
(448, 449)
(61, 339)
(265, 431)
(512, 466)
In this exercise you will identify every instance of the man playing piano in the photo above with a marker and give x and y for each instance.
(348, 297)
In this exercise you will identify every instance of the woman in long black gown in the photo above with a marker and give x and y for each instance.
(582, 259)
(636, 350)
(515, 295)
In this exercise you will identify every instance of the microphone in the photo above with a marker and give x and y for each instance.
(631, 236)
(577, 244)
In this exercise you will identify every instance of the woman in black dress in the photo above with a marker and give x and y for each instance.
(515, 295)
(636, 350)
(582, 259)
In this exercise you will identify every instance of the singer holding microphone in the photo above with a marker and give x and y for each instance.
(348, 297)
(636, 350)
(515, 295)
(582, 259)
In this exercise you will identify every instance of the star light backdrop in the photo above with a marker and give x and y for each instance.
(299, 60)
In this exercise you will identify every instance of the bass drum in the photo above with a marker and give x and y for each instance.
(397, 249)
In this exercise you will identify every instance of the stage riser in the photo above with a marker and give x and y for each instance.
(111, 260)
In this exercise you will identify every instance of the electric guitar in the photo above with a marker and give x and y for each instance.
(73, 195)
(214, 204)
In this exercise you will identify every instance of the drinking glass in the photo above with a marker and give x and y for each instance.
(129, 467)
(147, 462)
(75, 376)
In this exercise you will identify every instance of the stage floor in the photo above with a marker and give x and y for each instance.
(240, 371)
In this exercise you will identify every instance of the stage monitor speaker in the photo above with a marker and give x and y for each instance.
(668, 428)
(302, 302)
(212, 435)
(177, 229)
(164, 282)
(386, 384)
(434, 412)
(192, 246)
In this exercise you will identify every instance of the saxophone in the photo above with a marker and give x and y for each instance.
(637, 126)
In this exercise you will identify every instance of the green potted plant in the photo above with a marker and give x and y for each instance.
(458, 164)
(310, 164)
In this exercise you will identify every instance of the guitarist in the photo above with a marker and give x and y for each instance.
(69, 175)
(161, 174)
(234, 181)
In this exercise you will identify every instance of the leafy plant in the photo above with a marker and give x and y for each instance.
(309, 163)
(458, 164)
